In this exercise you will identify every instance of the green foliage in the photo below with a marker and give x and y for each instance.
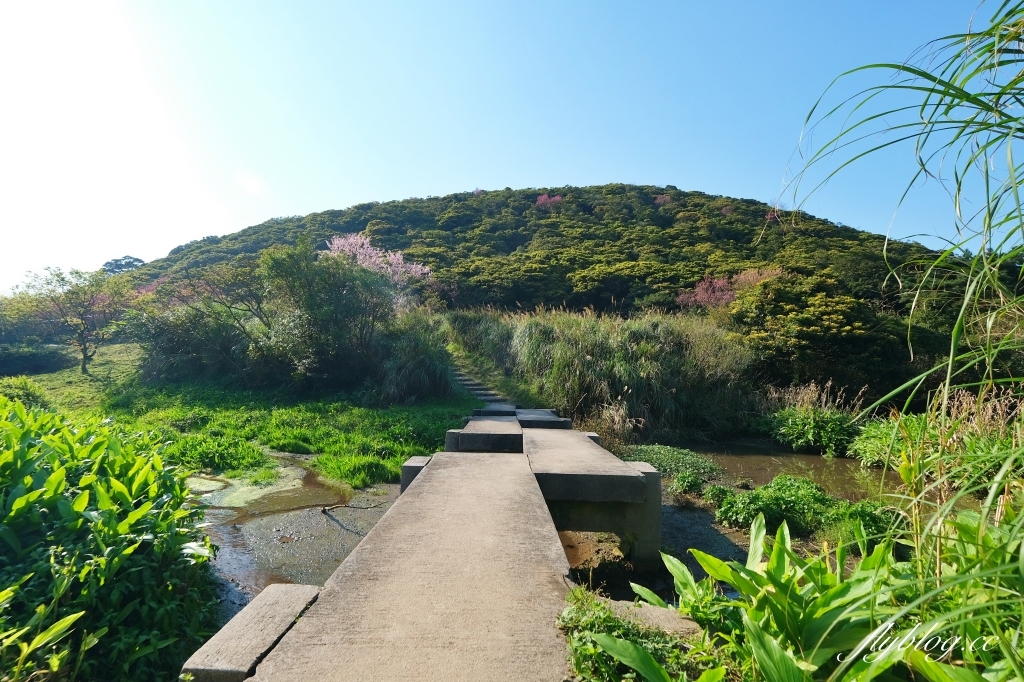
(803, 505)
(296, 317)
(686, 482)
(100, 545)
(415, 362)
(717, 494)
(657, 374)
(360, 471)
(827, 430)
(610, 247)
(33, 359)
(586, 618)
(200, 451)
(24, 390)
(223, 430)
(671, 461)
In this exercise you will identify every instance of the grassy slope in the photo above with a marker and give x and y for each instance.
(226, 430)
(610, 246)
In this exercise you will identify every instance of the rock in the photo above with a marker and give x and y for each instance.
(668, 620)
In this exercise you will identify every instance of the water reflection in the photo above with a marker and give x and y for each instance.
(758, 462)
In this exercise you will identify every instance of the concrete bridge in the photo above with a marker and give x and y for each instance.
(464, 576)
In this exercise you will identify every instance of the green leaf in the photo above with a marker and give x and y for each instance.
(777, 664)
(134, 516)
(81, 501)
(648, 596)
(119, 491)
(756, 552)
(934, 671)
(633, 656)
(55, 482)
(683, 577)
(715, 675)
(55, 631)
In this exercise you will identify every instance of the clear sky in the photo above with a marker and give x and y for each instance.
(130, 128)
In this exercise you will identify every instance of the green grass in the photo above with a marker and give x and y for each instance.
(586, 615)
(223, 430)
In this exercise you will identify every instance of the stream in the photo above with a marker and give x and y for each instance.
(279, 533)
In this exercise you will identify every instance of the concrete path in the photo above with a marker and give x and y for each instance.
(570, 466)
(462, 579)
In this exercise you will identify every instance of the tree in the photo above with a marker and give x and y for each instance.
(122, 264)
(80, 306)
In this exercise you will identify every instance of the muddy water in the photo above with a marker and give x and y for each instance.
(297, 530)
(754, 463)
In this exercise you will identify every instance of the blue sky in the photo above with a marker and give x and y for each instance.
(129, 128)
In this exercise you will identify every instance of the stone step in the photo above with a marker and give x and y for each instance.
(496, 410)
(462, 579)
(570, 466)
(231, 655)
(542, 419)
(491, 434)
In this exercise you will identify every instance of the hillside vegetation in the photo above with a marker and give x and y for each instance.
(608, 247)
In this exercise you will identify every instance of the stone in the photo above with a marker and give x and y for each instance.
(570, 466)
(231, 655)
(411, 468)
(491, 434)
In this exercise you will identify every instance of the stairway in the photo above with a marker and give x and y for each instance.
(478, 390)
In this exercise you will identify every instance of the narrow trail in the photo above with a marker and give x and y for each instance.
(484, 393)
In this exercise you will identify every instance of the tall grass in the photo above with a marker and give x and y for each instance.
(650, 374)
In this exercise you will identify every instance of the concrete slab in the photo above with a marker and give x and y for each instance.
(542, 419)
(496, 410)
(411, 469)
(570, 466)
(232, 654)
(491, 434)
(462, 579)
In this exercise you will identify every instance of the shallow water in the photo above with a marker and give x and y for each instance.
(757, 462)
(296, 530)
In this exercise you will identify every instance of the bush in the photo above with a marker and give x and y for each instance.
(878, 521)
(34, 359)
(24, 390)
(717, 494)
(813, 428)
(802, 503)
(96, 525)
(415, 362)
(686, 482)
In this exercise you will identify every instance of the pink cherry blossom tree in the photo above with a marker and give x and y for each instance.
(391, 264)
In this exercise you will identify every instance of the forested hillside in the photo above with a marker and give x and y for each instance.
(608, 247)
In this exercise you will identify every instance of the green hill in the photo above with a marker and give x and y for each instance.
(609, 247)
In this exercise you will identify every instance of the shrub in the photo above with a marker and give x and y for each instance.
(686, 482)
(415, 362)
(812, 428)
(800, 502)
(717, 494)
(662, 373)
(97, 525)
(24, 390)
(812, 417)
(33, 359)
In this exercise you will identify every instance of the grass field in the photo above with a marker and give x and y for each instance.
(231, 431)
